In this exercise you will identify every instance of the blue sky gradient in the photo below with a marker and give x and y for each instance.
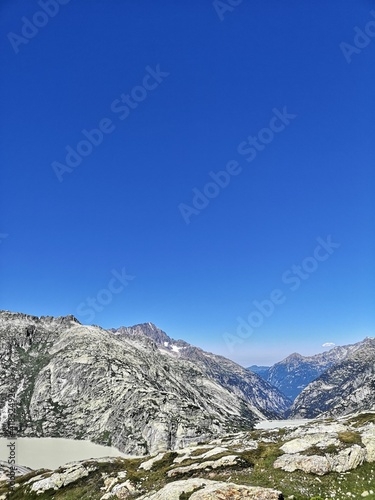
(216, 82)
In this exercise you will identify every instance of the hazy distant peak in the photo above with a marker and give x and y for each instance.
(346, 386)
(295, 372)
(294, 355)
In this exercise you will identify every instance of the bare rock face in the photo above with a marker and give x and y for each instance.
(263, 396)
(123, 388)
(348, 459)
(368, 439)
(59, 480)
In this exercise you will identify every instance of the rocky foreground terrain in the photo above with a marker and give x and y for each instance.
(185, 415)
(135, 389)
(323, 459)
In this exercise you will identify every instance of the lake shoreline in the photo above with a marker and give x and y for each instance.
(51, 453)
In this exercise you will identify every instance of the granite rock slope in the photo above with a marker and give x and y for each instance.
(120, 388)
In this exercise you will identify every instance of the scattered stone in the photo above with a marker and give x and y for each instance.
(121, 491)
(109, 483)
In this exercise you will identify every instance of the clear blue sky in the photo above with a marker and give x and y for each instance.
(219, 83)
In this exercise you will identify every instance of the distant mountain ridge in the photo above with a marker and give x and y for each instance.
(260, 370)
(295, 372)
(347, 386)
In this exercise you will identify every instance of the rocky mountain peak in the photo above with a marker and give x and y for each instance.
(295, 356)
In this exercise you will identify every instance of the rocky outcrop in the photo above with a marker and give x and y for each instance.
(319, 440)
(332, 446)
(203, 489)
(347, 459)
(58, 480)
(343, 461)
(225, 461)
(122, 388)
(368, 439)
(312, 464)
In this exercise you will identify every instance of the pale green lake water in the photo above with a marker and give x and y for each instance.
(50, 453)
(277, 424)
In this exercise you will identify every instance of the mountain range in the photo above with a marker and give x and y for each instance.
(141, 391)
(345, 387)
(134, 388)
(295, 372)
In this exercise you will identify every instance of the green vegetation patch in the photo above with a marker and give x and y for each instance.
(104, 439)
(187, 495)
(350, 437)
(165, 462)
(363, 419)
(316, 450)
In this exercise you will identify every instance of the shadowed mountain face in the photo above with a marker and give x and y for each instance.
(134, 388)
(260, 370)
(295, 372)
(347, 386)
